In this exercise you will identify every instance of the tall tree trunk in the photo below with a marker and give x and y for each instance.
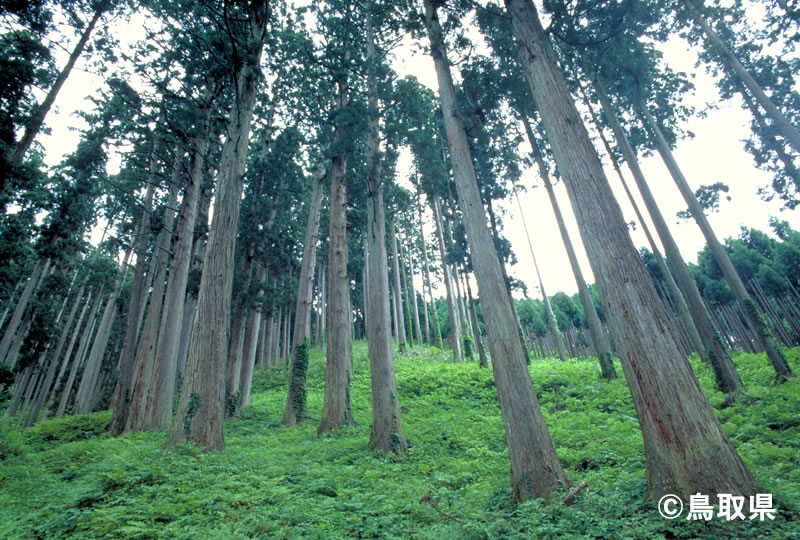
(413, 295)
(160, 399)
(748, 306)
(782, 125)
(34, 123)
(535, 469)
(251, 343)
(295, 410)
(398, 293)
(336, 411)
(548, 308)
(200, 412)
(710, 346)
(437, 333)
(455, 326)
(121, 403)
(387, 431)
(146, 351)
(686, 449)
(596, 332)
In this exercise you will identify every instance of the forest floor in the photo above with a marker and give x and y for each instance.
(65, 478)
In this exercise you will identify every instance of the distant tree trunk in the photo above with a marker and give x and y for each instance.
(748, 306)
(67, 355)
(548, 309)
(336, 411)
(121, 402)
(437, 333)
(233, 367)
(200, 412)
(782, 125)
(408, 287)
(38, 274)
(535, 469)
(413, 295)
(686, 449)
(54, 361)
(596, 332)
(250, 344)
(455, 326)
(34, 123)
(80, 353)
(295, 410)
(473, 311)
(91, 371)
(398, 296)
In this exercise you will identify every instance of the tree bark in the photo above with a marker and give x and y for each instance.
(686, 449)
(398, 293)
(535, 469)
(387, 431)
(295, 397)
(748, 306)
(146, 351)
(336, 411)
(38, 274)
(200, 412)
(121, 403)
(160, 398)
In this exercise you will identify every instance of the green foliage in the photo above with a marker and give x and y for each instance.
(467, 346)
(65, 479)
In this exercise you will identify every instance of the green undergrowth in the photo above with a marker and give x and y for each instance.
(65, 478)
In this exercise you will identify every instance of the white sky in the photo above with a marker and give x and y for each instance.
(715, 154)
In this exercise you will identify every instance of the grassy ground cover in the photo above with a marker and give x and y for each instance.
(65, 478)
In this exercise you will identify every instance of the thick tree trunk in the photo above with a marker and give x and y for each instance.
(535, 469)
(336, 411)
(686, 450)
(697, 322)
(201, 410)
(455, 325)
(748, 306)
(782, 125)
(596, 332)
(167, 358)
(295, 398)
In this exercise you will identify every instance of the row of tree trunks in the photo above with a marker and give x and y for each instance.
(452, 310)
(596, 331)
(12, 333)
(697, 322)
(748, 306)
(686, 449)
(535, 469)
